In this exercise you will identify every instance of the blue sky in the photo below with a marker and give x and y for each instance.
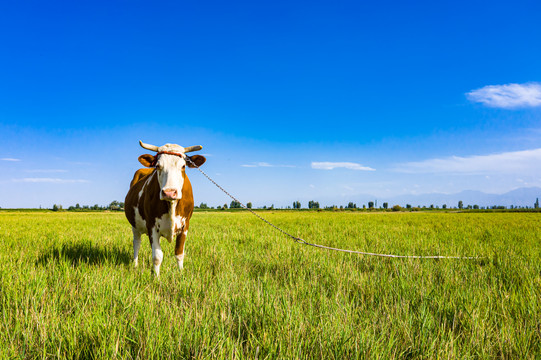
(296, 100)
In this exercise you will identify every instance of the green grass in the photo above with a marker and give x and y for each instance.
(68, 288)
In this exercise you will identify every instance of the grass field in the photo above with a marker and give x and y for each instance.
(68, 288)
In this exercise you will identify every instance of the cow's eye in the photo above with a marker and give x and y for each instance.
(183, 167)
(159, 167)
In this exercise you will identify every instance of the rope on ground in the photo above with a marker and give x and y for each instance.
(302, 241)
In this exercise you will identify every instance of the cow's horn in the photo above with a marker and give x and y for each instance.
(193, 148)
(148, 146)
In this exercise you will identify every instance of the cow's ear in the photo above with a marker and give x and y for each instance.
(197, 160)
(146, 160)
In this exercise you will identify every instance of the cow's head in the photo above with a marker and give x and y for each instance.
(170, 163)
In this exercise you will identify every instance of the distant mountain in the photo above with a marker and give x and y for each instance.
(518, 197)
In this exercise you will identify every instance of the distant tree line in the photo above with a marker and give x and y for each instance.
(233, 205)
(312, 204)
(113, 206)
(372, 205)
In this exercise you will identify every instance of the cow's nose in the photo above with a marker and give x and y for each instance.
(169, 194)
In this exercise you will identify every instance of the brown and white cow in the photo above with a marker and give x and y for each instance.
(160, 200)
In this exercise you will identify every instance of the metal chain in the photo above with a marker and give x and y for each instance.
(302, 241)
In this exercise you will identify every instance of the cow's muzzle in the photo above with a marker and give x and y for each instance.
(169, 194)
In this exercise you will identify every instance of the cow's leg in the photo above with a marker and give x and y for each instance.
(136, 245)
(157, 253)
(179, 248)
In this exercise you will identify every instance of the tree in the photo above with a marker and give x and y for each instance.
(385, 205)
(235, 205)
(444, 206)
(396, 208)
(352, 205)
(370, 204)
(203, 206)
(56, 207)
(296, 205)
(313, 204)
(249, 205)
(460, 204)
(536, 204)
(115, 205)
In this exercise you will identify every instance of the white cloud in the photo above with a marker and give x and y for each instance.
(10, 159)
(325, 165)
(265, 164)
(517, 162)
(508, 96)
(50, 180)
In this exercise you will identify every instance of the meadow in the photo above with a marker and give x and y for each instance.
(68, 288)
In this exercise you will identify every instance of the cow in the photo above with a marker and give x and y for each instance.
(160, 200)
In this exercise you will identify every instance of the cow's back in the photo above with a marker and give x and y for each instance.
(139, 174)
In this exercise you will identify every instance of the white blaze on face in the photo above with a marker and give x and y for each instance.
(170, 169)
